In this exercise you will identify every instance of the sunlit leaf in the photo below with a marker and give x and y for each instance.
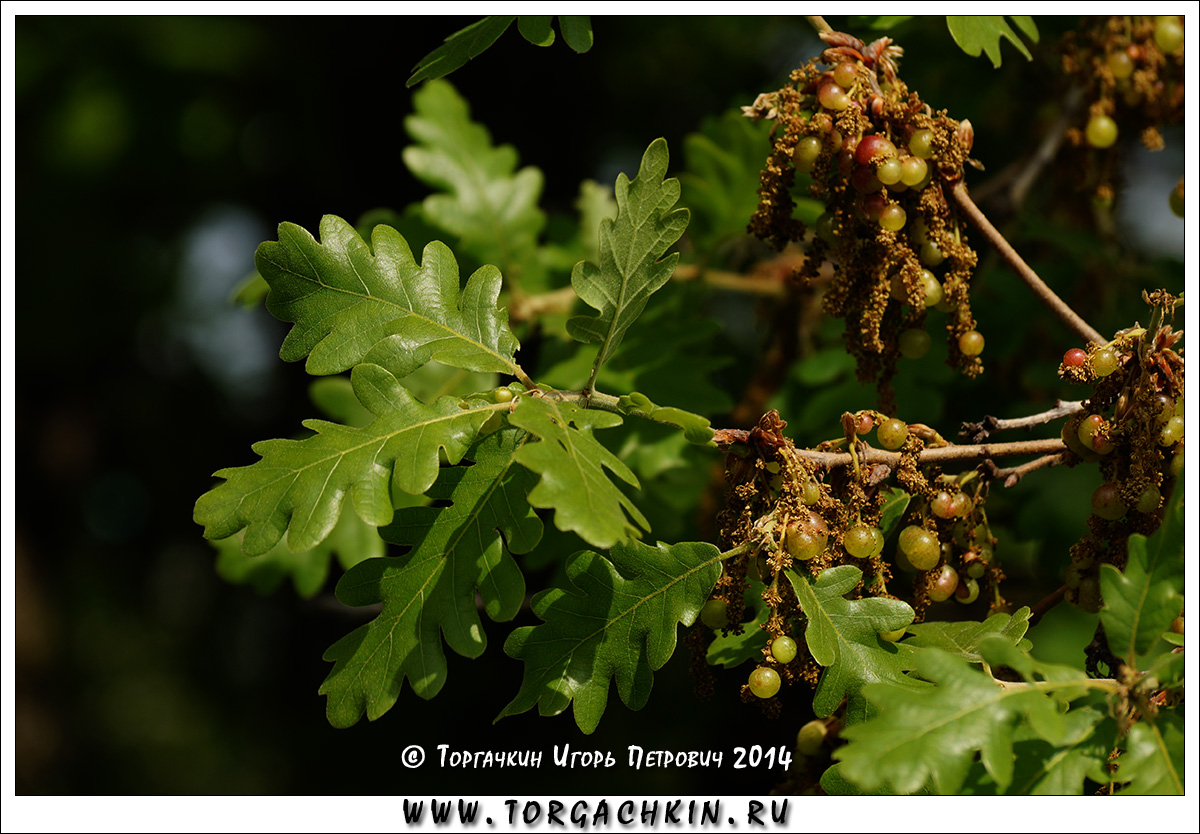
(1141, 601)
(483, 200)
(963, 638)
(354, 304)
(1153, 760)
(982, 33)
(934, 734)
(576, 31)
(536, 29)
(572, 463)
(696, 429)
(633, 261)
(843, 636)
(298, 486)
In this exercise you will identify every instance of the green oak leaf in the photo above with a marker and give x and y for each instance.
(576, 31)
(571, 463)
(536, 29)
(595, 204)
(962, 638)
(1141, 602)
(720, 178)
(471, 41)
(298, 486)
(619, 621)
(1153, 760)
(1044, 769)
(843, 636)
(982, 33)
(835, 784)
(1167, 671)
(632, 249)
(490, 206)
(351, 541)
(934, 733)
(353, 304)
(459, 549)
(696, 429)
(334, 395)
(465, 44)
(250, 291)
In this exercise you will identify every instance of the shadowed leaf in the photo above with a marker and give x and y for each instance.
(619, 620)
(458, 550)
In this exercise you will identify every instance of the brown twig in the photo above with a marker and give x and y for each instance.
(1048, 149)
(1039, 608)
(1011, 185)
(526, 307)
(735, 281)
(979, 432)
(941, 454)
(1013, 474)
(1032, 280)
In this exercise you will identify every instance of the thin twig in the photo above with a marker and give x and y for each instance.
(734, 281)
(866, 455)
(1039, 608)
(1048, 149)
(1015, 179)
(1046, 295)
(941, 454)
(1013, 474)
(818, 23)
(527, 307)
(979, 432)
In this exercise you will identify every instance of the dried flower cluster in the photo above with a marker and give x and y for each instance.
(881, 160)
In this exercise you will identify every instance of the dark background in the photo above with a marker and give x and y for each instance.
(153, 154)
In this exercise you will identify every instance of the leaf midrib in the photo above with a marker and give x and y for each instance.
(382, 440)
(626, 271)
(472, 521)
(609, 623)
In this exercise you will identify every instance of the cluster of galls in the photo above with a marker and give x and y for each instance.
(944, 542)
(1133, 427)
(881, 160)
(789, 514)
(1131, 71)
